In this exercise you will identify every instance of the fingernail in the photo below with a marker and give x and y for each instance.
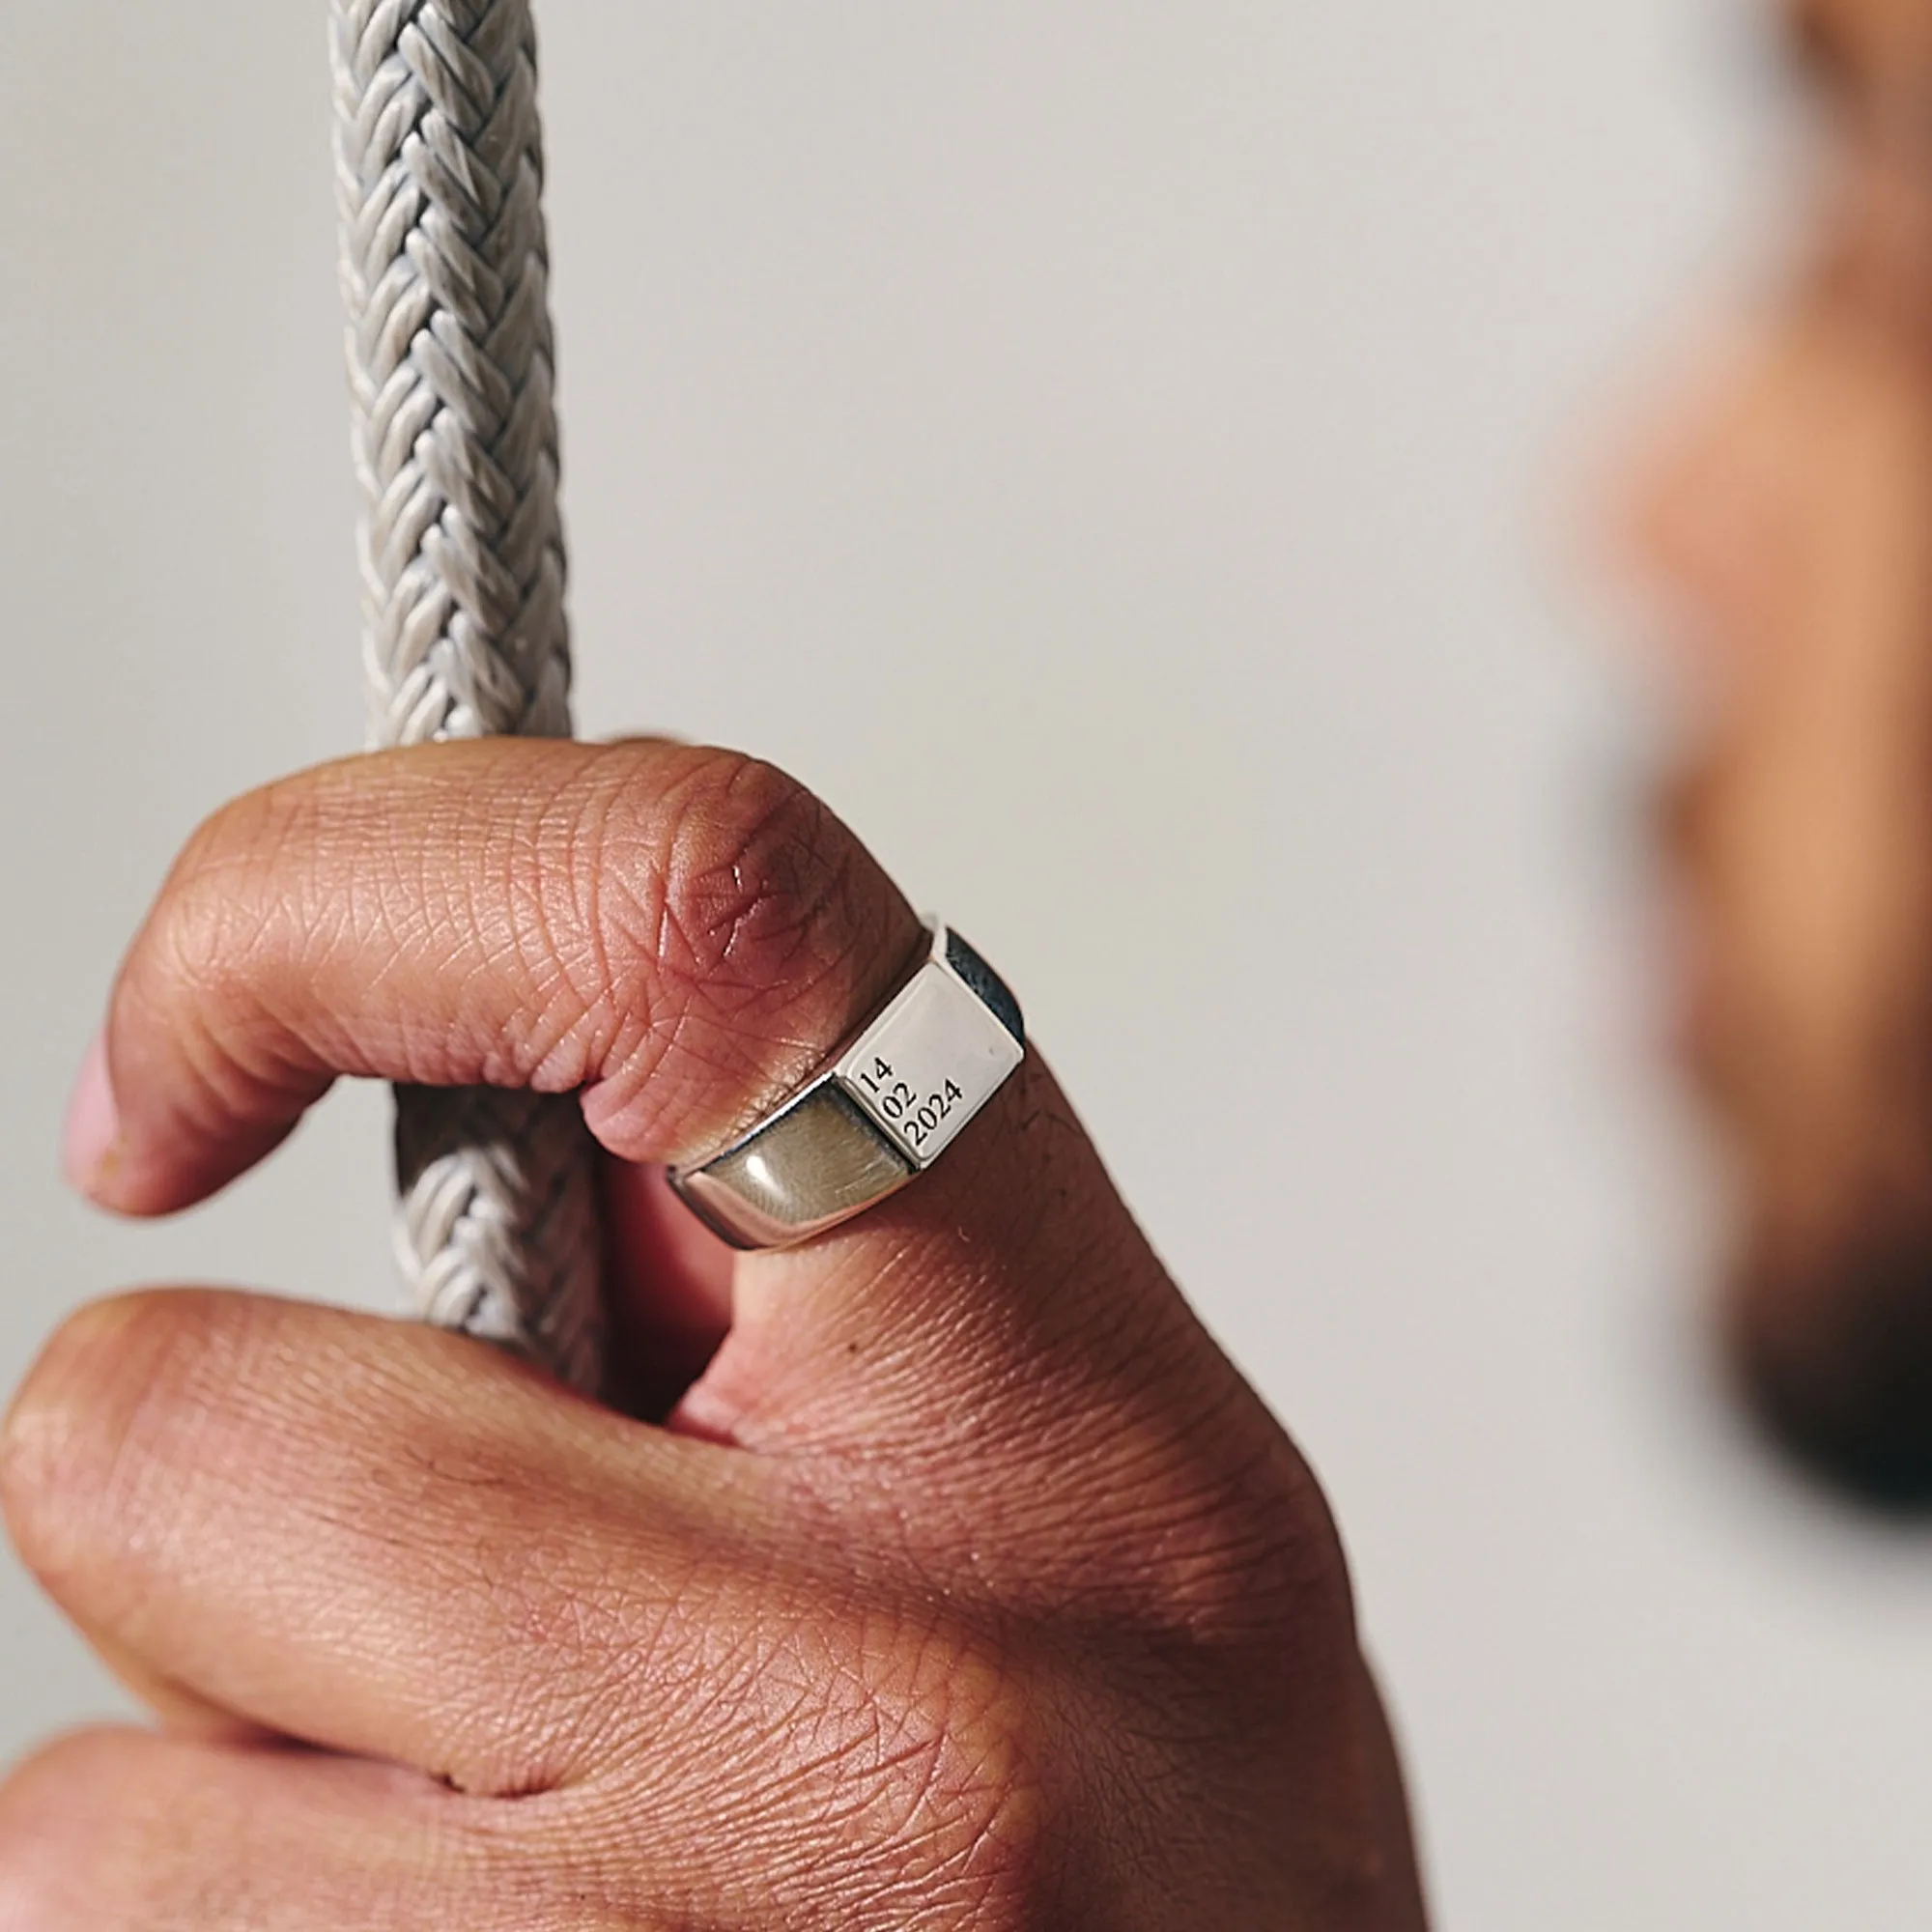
(93, 1122)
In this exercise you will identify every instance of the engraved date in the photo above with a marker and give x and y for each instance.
(917, 1116)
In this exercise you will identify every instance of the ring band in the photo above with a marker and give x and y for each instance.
(891, 1103)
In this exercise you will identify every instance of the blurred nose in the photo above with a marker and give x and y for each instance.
(1694, 508)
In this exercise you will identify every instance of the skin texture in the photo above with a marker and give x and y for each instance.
(1785, 509)
(960, 1581)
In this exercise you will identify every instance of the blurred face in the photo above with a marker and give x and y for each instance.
(1787, 514)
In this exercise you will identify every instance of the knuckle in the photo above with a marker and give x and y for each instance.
(48, 1785)
(48, 1443)
(219, 929)
(208, 912)
(84, 1447)
(121, 1828)
(757, 876)
(739, 923)
(49, 1807)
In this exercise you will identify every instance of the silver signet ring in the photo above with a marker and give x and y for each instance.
(891, 1103)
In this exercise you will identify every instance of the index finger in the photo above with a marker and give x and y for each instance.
(677, 933)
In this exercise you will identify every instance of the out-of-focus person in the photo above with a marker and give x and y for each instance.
(1785, 507)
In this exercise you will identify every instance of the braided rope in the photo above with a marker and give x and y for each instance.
(444, 272)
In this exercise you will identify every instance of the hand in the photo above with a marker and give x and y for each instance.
(966, 1587)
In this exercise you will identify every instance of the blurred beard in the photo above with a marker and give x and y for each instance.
(1828, 1309)
(1830, 1343)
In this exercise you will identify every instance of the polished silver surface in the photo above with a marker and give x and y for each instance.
(890, 1106)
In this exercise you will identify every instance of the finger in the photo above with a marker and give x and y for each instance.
(370, 1537)
(123, 1831)
(397, 1545)
(684, 935)
(127, 1829)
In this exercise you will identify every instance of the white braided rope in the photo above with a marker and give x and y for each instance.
(445, 271)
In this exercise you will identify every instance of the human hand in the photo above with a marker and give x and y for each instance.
(967, 1585)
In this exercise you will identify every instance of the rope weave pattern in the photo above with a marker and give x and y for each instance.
(451, 361)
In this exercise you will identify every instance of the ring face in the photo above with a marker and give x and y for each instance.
(890, 1104)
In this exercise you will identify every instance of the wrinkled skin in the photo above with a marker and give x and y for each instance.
(1786, 510)
(958, 1583)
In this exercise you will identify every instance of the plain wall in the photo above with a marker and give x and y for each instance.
(1119, 454)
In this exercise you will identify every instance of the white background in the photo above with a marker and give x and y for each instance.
(1121, 454)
